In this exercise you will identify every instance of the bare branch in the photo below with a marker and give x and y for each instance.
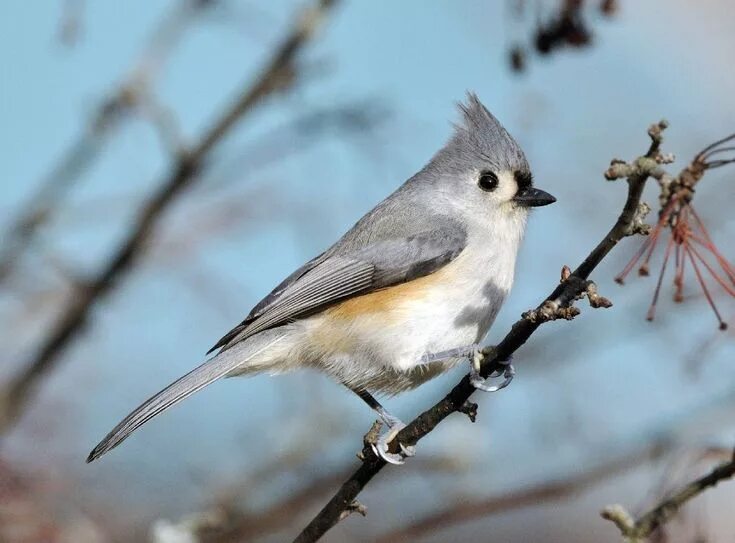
(225, 521)
(638, 531)
(563, 296)
(657, 441)
(544, 492)
(240, 526)
(278, 73)
(107, 117)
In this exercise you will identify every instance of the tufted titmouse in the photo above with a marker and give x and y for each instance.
(393, 302)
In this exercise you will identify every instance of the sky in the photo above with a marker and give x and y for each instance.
(607, 378)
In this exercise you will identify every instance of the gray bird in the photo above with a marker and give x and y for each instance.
(404, 295)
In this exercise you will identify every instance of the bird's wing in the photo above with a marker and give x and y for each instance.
(331, 277)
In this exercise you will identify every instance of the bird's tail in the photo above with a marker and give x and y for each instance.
(215, 368)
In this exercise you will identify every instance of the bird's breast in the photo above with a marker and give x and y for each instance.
(451, 307)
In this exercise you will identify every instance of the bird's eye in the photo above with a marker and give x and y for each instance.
(488, 181)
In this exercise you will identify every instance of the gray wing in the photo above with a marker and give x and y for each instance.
(340, 274)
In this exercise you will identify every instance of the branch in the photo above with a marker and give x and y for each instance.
(688, 238)
(235, 525)
(62, 178)
(637, 531)
(572, 287)
(278, 74)
(533, 495)
(229, 518)
(650, 445)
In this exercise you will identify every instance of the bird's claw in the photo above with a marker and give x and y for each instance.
(380, 447)
(481, 383)
(474, 354)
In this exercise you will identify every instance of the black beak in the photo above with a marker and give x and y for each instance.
(532, 197)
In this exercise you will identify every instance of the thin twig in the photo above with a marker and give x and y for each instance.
(278, 74)
(638, 531)
(562, 297)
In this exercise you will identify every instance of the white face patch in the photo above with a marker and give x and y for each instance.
(507, 186)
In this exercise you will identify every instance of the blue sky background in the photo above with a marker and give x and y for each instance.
(605, 380)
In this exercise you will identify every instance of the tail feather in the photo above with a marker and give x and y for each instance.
(211, 370)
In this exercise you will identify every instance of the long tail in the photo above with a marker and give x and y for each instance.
(211, 370)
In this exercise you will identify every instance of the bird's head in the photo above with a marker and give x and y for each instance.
(482, 169)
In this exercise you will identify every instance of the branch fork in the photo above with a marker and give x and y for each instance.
(559, 308)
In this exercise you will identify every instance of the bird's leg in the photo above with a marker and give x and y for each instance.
(474, 354)
(468, 351)
(394, 424)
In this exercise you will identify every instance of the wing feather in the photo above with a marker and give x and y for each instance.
(332, 277)
(337, 278)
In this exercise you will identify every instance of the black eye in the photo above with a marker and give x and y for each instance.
(488, 181)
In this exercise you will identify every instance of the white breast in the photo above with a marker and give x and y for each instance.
(460, 309)
(381, 350)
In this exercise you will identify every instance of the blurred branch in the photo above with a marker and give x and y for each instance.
(531, 496)
(213, 207)
(302, 132)
(225, 522)
(235, 525)
(278, 74)
(638, 531)
(132, 91)
(661, 438)
(296, 135)
(559, 304)
(28, 513)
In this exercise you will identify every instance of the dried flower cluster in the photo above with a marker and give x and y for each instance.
(688, 241)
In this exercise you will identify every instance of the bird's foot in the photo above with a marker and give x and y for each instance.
(482, 383)
(380, 447)
(474, 353)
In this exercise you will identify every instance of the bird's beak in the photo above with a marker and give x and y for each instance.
(533, 197)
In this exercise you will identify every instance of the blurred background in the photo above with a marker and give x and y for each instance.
(165, 164)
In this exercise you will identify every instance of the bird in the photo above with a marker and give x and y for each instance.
(405, 295)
